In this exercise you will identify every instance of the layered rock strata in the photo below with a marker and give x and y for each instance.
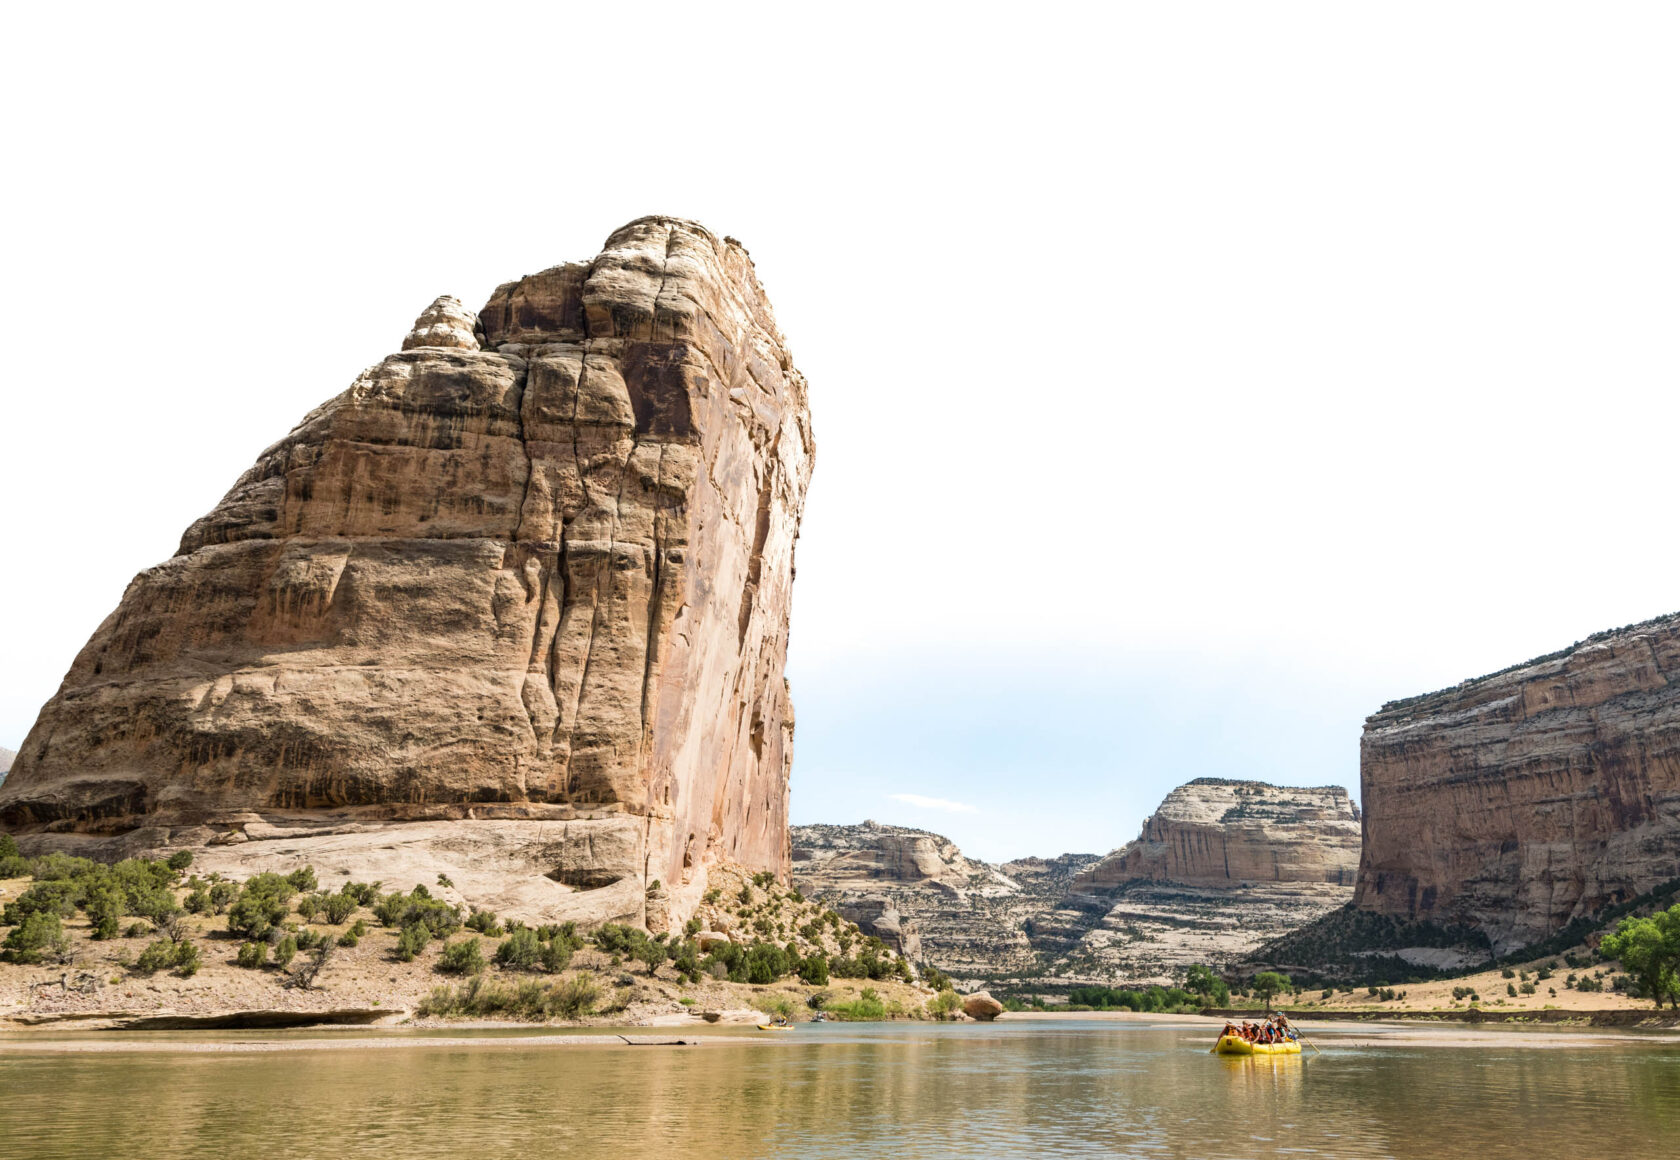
(1221, 833)
(962, 915)
(527, 579)
(1519, 801)
(1220, 868)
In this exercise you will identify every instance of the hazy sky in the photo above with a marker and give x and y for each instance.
(1188, 379)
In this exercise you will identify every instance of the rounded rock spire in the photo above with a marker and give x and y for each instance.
(444, 323)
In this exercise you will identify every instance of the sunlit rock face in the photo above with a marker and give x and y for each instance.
(534, 568)
(1516, 802)
(1217, 832)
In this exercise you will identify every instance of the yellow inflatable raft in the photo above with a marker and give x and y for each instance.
(1237, 1045)
(775, 1027)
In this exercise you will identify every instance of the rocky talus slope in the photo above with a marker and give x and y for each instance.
(1220, 868)
(513, 608)
(916, 891)
(1517, 802)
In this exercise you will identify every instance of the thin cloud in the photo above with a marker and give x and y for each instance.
(933, 803)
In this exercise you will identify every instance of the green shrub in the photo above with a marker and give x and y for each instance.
(198, 901)
(180, 860)
(56, 897)
(413, 940)
(418, 906)
(813, 969)
(253, 955)
(187, 960)
(309, 905)
(157, 957)
(484, 922)
(461, 958)
(222, 895)
(303, 879)
(285, 951)
(104, 905)
(8, 846)
(339, 907)
(39, 938)
(557, 954)
(262, 905)
(520, 951)
(945, 1005)
(444, 881)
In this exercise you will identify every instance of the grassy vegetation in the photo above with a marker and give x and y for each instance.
(528, 1000)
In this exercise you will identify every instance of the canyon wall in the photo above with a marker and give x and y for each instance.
(514, 606)
(1516, 802)
(1214, 832)
(1220, 868)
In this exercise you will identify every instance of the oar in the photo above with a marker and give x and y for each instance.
(1308, 1042)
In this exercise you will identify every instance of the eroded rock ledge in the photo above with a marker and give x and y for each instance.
(1519, 801)
(526, 581)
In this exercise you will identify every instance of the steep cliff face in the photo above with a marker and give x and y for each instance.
(534, 568)
(1220, 868)
(1516, 802)
(1214, 832)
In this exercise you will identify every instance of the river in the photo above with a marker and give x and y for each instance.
(1038, 1089)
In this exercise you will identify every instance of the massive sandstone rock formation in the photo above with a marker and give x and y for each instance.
(916, 891)
(1221, 867)
(1214, 832)
(513, 607)
(1519, 801)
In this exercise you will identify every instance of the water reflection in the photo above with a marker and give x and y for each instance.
(1047, 1090)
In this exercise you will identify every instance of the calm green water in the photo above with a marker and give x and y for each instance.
(906, 1091)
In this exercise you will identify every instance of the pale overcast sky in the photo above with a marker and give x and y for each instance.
(1188, 379)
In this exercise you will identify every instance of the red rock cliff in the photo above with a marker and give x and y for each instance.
(1519, 801)
(535, 568)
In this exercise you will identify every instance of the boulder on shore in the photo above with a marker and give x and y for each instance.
(982, 1006)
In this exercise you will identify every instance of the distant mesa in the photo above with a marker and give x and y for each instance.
(1517, 802)
(512, 608)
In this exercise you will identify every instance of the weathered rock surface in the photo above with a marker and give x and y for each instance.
(966, 917)
(1516, 802)
(1214, 832)
(1220, 868)
(532, 573)
(982, 1006)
